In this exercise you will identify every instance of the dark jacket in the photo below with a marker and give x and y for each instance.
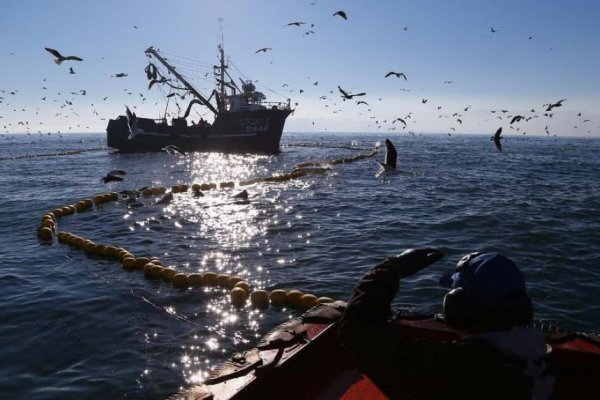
(494, 365)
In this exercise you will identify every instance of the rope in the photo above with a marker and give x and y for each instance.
(63, 153)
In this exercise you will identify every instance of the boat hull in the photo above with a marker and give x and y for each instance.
(234, 132)
(316, 366)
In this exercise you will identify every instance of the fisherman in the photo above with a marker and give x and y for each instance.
(499, 356)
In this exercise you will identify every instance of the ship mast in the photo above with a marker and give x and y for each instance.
(172, 70)
(222, 94)
(221, 79)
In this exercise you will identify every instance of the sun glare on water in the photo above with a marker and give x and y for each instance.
(216, 231)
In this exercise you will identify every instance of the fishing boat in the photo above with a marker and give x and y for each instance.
(302, 359)
(242, 121)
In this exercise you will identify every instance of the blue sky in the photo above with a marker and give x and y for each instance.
(541, 52)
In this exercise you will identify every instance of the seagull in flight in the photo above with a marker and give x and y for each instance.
(496, 138)
(349, 96)
(264, 50)
(341, 14)
(59, 58)
(557, 104)
(296, 23)
(398, 74)
(516, 118)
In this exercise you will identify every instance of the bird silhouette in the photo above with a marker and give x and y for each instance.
(552, 105)
(349, 96)
(120, 75)
(113, 176)
(496, 138)
(264, 50)
(296, 23)
(71, 70)
(398, 74)
(341, 14)
(493, 30)
(516, 118)
(59, 58)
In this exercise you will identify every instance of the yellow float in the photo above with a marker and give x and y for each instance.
(278, 297)
(238, 296)
(260, 299)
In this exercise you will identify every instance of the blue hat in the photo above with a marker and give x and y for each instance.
(487, 278)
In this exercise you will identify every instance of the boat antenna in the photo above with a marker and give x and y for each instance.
(222, 66)
(221, 37)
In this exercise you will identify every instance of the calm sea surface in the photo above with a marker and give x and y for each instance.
(77, 326)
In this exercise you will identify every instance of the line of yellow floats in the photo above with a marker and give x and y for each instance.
(239, 289)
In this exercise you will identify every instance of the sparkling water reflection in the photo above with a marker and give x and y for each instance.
(84, 325)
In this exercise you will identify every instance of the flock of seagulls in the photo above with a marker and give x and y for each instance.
(457, 117)
(65, 106)
(405, 122)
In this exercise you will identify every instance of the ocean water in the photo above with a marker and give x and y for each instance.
(79, 326)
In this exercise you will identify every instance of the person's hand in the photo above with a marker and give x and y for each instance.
(414, 260)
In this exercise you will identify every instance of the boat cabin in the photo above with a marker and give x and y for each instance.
(248, 100)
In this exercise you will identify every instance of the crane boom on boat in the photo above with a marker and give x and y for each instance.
(204, 101)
